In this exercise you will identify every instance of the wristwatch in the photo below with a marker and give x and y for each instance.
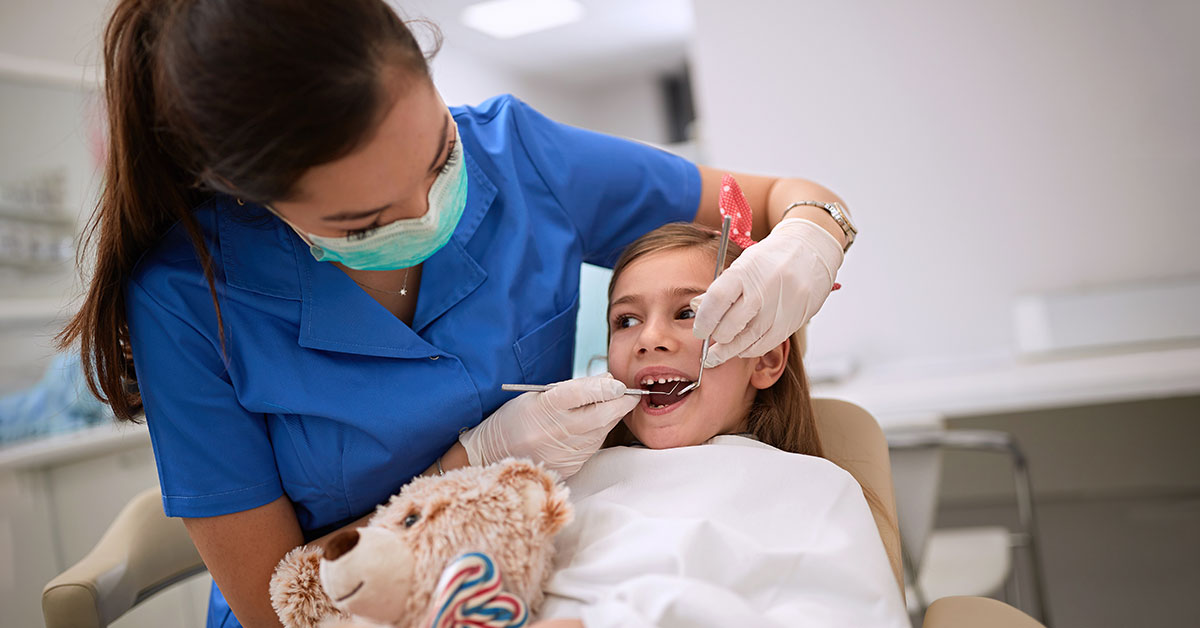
(840, 214)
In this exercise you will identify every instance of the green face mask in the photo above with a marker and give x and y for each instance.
(408, 241)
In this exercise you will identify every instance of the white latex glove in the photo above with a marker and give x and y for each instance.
(561, 427)
(769, 292)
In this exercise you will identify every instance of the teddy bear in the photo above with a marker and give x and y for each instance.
(387, 573)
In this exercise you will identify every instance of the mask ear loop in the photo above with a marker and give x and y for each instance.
(297, 230)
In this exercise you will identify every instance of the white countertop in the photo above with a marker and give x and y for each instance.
(900, 397)
(85, 443)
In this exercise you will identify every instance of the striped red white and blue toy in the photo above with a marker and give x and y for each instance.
(469, 595)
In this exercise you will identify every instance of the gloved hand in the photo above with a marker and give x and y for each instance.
(769, 292)
(561, 427)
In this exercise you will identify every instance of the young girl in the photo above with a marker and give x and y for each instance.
(753, 527)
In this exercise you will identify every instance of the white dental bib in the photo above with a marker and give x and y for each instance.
(730, 533)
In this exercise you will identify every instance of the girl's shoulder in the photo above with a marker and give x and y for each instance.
(723, 442)
(740, 440)
(719, 454)
(727, 470)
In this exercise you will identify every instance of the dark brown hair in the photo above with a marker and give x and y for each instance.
(781, 415)
(219, 96)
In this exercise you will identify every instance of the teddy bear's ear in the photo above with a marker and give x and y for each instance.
(296, 592)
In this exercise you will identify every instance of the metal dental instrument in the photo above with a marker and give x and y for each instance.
(720, 266)
(703, 352)
(637, 392)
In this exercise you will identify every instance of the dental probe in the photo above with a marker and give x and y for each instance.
(720, 266)
(703, 352)
(638, 392)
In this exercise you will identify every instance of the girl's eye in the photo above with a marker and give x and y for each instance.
(411, 520)
(625, 321)
(686, 314)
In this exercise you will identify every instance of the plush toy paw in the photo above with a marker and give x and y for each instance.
(296, 593)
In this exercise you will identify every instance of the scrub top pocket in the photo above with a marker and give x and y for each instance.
(543, 351)
(310, 476)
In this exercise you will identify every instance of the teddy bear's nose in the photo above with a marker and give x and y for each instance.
(340, 544)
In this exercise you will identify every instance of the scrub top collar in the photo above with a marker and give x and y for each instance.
(269, 259)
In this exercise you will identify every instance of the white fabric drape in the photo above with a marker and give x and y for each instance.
(731, 533)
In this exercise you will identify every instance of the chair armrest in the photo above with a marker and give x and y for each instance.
(977, 440)
(141, 553)
(976, 612)
(956, 438)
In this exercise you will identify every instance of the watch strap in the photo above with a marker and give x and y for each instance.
(837, 212)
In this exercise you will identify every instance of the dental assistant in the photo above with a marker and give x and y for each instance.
(313, 276)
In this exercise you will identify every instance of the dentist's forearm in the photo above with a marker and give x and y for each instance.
(454, 458)
(784, 192)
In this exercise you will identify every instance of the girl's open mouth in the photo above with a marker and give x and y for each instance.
(663, 403)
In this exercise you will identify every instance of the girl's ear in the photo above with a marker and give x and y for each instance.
(769, 368)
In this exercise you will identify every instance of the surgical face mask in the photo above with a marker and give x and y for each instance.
(408, 241)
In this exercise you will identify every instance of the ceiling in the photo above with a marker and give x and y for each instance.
(615, 38)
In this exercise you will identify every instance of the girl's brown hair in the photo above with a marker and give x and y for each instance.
(219, 96)
(781, 415)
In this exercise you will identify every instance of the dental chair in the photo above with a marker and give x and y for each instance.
(144, 552)
(853, 440)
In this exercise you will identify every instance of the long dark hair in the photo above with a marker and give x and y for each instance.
(219, 96)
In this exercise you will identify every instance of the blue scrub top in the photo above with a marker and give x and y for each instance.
(328, 398)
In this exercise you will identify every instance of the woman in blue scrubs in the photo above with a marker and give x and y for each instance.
(312, 276)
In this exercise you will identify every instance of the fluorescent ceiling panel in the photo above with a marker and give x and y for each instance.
(505, 19)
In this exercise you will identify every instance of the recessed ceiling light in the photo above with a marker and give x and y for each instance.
(505, 19)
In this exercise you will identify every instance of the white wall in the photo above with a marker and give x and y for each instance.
(630, 106)
(465, 79)
(986, 148)
(61, 31)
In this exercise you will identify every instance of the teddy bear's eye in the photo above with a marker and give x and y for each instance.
(412, 520)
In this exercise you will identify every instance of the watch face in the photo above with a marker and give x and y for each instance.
(846, 216)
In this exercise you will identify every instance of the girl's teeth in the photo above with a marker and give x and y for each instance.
(663, 380)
